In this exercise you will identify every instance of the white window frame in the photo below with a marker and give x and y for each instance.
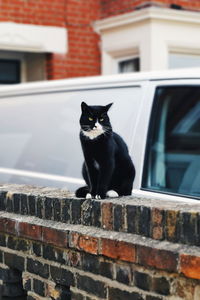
(123, 59)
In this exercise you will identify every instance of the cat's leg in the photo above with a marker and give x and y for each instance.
(91, 174)
(105, 175)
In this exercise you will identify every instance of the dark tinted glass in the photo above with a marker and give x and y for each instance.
(9, 71)
(173, 151)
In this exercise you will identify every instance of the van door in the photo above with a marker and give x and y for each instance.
(172, 158)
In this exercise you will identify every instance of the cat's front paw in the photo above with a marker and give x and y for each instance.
(98, 197)
(88, 196)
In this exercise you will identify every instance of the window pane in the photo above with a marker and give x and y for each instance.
(9, 71)
(177, 61)
(173, 156)
(129, 65)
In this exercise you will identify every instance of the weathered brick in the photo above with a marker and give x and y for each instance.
(189, 222)
(66, 210)
(76, 211)
(56, 209)
(24, 204)
(190, 266)
(117, 294)
(10, 275)
(40, 207)
(48, 208)
(157, 224)
(96, 213)
(30, 231)
(39, 287)
(132, 219)
(74, 258)
(161, 286)
(107, 215)
(90, 263)
(36, 267)
(172, 231)
(51, 253)
(53, 236)
(123, 274)
(84, 242)
(62, 276)
(16, 203)
(87, 207)
(2, 200)
(9, 202)
(157, 258)
(144, 221)
(118, 250)
(106, 269)
(91, 286)
(118, 218)
(142, 280)
(2, 240)
(13, 291)
(7, 225)
(36, 249)
(14, 261)
(31, 205)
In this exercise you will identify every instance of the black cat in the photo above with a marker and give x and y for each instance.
(107, 165)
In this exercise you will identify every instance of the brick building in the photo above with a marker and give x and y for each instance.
(55, 39)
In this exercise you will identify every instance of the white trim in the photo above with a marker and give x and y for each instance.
(154, 31)
(40, 175)
(32, 38)
(152, 13)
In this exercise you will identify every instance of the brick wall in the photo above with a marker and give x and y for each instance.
(83, 57)
(54, 246)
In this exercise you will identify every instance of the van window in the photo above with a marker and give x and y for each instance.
(173, 150)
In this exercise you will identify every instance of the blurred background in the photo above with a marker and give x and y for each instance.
(57, 39)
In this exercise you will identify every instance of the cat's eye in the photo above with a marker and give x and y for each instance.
(101, 120)
(90, 119)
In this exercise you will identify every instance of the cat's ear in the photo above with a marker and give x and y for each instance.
(84, 107)
(107, 107)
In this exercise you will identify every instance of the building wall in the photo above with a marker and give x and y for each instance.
(83, 56)
(84, 44)
(54, 246)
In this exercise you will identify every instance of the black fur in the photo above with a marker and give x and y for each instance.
(107, 165)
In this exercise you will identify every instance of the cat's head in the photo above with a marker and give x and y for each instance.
(94, 120)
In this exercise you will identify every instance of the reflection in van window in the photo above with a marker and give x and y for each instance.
(173, 154)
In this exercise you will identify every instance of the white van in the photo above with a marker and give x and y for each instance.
(157, 114)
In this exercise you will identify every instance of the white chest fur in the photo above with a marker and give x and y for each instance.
(95, 132)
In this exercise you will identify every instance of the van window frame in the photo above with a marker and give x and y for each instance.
(150, 133)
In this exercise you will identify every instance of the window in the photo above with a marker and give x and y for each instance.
(9, 71)
(178, 60)
(129, 65)
(173, 153)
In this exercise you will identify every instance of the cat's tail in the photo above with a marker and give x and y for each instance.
(82, 192)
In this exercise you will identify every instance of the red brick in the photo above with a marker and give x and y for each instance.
(157, 216)
(157, 258)
(190, 266)
(53, 236)
(118, 250)
(8, 225)
(84, 242)
(30, 231)
(107, 215)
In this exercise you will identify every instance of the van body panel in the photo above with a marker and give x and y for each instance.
(39, 125)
